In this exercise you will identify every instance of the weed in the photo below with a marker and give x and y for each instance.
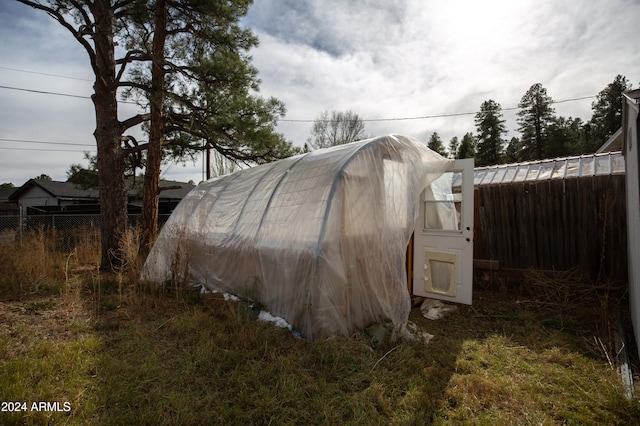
(38, 305)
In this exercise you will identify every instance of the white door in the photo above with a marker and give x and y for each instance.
(443, 239)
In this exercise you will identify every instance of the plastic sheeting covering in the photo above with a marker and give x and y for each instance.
(318, 239)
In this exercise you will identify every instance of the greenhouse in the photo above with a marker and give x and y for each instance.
(318, 239)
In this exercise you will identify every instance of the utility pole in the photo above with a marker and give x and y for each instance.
(208, 161)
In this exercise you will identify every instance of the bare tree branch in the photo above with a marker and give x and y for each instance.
(135, 149)
(131, 56)
(134, 55)
(134, 85)
(134, 121)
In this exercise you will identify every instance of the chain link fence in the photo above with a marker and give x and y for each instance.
(66, 230)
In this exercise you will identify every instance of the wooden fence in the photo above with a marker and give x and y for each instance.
(559, 224)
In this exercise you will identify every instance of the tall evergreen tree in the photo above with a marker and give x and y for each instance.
(490, 127)
(564, 136)
(435, 144)
(467, 148)
(513, 152)
(201, 90)
(607, 113)
(534, 118)
(94, 25)
(454, 143)
(151, 186)
(209, 88)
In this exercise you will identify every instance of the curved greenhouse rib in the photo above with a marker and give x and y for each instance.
(275, 189)
(332, 191)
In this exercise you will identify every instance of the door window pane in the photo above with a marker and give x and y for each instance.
(443, 203)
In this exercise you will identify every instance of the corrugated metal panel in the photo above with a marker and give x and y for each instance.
(618, 164)
(510, 174)
(478, 176)
(587, 166)
(546, 170)
(521, 173)
(610, 163)
(499, 176)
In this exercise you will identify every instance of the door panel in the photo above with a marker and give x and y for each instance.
(440, 271)
(443, 245)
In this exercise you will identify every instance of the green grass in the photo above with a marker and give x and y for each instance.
(210, 363)
(124, 355)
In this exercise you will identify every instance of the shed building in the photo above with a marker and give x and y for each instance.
(555, 214)
(631, 129)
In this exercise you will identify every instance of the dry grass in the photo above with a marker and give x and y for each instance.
(121, 352)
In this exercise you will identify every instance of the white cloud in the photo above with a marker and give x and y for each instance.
(439, 57)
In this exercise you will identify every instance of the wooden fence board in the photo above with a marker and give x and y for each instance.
(556, 225)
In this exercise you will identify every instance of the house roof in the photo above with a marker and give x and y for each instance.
(614, 143)
(170, 190)
(5, 193)
(60, 190)
(174, 190)
(610, 163)
(633, 95)
(72, 191)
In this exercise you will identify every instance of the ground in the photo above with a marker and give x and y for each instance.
(115, 354)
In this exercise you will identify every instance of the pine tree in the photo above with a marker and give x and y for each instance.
(607, 113)
(454, 143)
(467, 148)
(513, 152)
(490, 127)
(564, 137)
(201, 89)
(435, 144)
(210, 89)
(535, 116)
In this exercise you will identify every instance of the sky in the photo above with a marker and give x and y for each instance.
(412, 67)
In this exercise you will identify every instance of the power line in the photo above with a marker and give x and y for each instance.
(423, 117)
(40, 150)
(574, 99)
(43, 92)
(49, 75)
(167, 169)
(457, 114)
(393, 119)
(46, 142)
(293, 120)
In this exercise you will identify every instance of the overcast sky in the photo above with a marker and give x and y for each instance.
(380, 59)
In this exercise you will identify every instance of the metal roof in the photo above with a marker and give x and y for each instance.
(610, 163)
